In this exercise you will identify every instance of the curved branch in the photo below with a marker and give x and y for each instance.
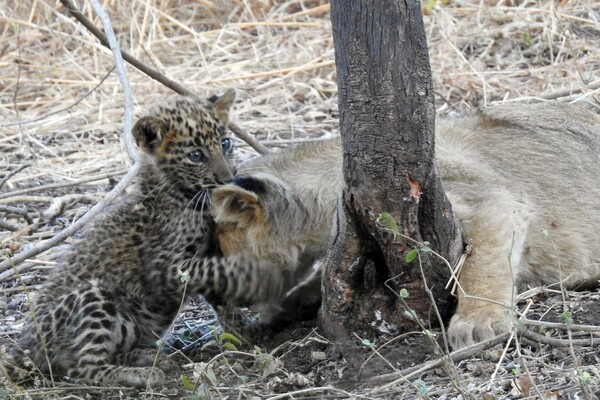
(455, 356)
(65, 233)
(154, 74)
(255, 144)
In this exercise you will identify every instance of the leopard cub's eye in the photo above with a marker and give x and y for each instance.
(226, 144)
(196, 156)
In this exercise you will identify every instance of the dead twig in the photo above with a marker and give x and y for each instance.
(455, 357)
(568, 92)
(71, 229)
(10, 174)
(113, 45)
(556, 342)
(317, 390)
(59, 185)
(18, 211)
(67, 108)
(255, 144)
(472, 350)
(565, 327)
(154, 74)
(9, 226)
(74, 197)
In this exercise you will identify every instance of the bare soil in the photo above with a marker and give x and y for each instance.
(61, 124)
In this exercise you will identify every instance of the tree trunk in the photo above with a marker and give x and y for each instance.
(387, 122)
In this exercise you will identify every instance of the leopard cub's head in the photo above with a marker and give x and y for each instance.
(186, 140)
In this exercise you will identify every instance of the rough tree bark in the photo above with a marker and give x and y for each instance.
(387, 122)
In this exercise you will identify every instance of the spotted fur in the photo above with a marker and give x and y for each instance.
(98, 317)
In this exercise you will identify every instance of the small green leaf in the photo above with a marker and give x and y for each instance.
(15, 27)
(430, 334)
(388, 222)
(567, 318)
(210, 374)
(428, 7)
(185, 335)
(403, 293)
(186, 382)
(229, 337)
(421, 386)
(516, 370)
(230, 346)
(367, 343)
(527, 39)
(210, 343)
(411, 314)
(586, 378)
(411, 255)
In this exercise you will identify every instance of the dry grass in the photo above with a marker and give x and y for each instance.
(64, 128)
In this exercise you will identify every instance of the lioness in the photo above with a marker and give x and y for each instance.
(522, 179)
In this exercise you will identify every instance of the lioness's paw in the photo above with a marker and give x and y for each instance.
(467, 328)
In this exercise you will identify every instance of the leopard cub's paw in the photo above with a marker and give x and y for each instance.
(167, 363)
(467, 328)
(138, 377)
(255, 330)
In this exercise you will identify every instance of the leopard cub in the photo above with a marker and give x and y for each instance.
(98, 317)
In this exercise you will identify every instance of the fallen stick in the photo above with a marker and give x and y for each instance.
(455, 356)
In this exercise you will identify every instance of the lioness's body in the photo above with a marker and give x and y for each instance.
(523, 181)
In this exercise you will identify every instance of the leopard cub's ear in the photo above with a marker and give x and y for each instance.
(149, 132)
(222, 104)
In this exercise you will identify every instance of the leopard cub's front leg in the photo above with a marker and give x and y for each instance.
(233, 279)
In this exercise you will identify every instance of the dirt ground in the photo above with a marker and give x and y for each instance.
(61, 123)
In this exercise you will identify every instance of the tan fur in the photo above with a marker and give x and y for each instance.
(289, 223)
(233, 237)
(297, 205)
(513, 173)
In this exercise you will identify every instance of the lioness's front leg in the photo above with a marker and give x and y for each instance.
(497, 227)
